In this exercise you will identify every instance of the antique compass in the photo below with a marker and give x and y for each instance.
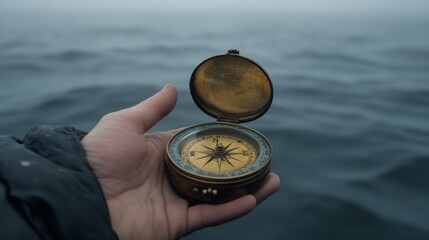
(220, 161)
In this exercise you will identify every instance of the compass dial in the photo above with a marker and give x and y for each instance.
(218, 153)
(219, 150)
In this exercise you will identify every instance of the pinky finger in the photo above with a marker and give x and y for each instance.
(271, 185)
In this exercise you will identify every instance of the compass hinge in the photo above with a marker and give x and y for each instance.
(233, 51)
(227, 120)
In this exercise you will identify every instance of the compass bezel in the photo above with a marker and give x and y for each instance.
(262, 160)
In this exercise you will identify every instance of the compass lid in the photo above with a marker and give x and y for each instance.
(231, 88)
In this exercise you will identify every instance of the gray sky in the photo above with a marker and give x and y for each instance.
(400, 7)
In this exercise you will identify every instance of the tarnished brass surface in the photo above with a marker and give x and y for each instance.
(231, 88)
(198, 191)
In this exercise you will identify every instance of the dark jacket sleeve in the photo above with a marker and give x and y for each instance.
(48, 190)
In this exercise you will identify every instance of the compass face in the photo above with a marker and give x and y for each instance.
(218, 153)
(219, 150)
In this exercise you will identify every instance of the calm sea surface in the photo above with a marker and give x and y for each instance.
(349, 123)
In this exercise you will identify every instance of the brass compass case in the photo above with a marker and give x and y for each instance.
(220, 161)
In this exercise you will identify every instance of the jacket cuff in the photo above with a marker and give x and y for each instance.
(50, 185)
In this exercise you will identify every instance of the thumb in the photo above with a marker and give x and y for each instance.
(147, 113)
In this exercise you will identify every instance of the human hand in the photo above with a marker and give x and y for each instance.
(129, 164)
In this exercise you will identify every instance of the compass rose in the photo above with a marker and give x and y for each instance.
(220, 154)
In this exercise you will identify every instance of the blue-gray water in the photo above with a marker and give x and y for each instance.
(349, 123)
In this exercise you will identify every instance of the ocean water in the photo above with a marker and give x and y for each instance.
(349, 122)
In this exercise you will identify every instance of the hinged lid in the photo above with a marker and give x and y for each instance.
(231, 88)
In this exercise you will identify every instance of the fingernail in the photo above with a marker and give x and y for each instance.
(165, 87)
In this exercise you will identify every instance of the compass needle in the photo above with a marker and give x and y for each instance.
(228, 152)
(234, 158)
(211, 159)
(226, 160)
(208, 147)
(235, 153)
(205, 152)
(204, 156)
(227, 146)
(219, 163)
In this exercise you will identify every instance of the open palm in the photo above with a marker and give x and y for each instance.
(128, 163)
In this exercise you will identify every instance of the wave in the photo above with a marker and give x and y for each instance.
(164, 49)
(72, 55)
(397, 59)
(351, 218)
(420, 54)
(118, 31)
(332, 56)
(22, 67)
(17, 44)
